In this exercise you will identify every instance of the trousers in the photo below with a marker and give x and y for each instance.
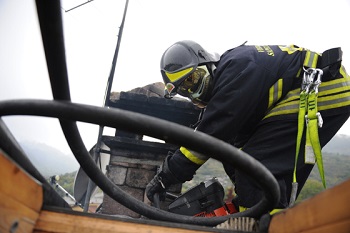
(274, 144)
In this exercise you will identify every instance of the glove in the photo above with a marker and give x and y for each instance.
(161, 181)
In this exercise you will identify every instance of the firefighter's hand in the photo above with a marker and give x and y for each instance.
(161, 181)
(155, 186)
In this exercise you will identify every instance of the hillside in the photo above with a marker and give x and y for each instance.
(338, 145)
(48, 160)
(336, 159)
(336, 156)
(52, 161)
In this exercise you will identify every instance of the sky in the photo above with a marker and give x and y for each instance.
(151, 26)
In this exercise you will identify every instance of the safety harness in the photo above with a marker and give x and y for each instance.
(309, 115)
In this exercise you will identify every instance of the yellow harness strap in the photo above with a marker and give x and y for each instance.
(312, 146)
(308, 112)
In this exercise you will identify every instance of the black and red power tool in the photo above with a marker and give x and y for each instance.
(203, 200)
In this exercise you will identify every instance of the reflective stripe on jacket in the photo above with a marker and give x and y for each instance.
(256, 83)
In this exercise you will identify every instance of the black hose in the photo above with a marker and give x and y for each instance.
(157, 128)
(9, 145)
(50, 20)
(53, 40)
(156, 200)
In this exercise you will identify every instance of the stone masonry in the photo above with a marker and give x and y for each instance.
(134, 161)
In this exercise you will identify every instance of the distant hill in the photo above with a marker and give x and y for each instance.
(340, 144)
(48, 160)
(336, 159)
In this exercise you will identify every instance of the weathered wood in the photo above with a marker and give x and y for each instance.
(326, 212)
(21, 198)
(55, 222)
(17, 220)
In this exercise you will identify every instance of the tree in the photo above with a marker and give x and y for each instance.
(310, 189)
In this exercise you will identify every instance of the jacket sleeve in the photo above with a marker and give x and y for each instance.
(239, 101)
(182, 167)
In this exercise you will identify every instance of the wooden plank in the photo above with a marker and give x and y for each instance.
(338, 227)
(21, 198)
(322, 212)
(19, 184)
(15, 221)
(54, 222)
(10, 205)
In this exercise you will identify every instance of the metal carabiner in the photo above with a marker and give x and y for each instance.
(308, 79)
(318, 81)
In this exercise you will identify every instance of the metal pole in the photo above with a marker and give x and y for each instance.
(96, 153)
(111, 75)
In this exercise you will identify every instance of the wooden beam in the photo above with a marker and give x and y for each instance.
(328, 211)
(21, 197)
(61, 222)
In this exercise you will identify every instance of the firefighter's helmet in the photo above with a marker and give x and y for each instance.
(186, 69)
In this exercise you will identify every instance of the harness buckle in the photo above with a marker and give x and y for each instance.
(159, 179)
(319, 119)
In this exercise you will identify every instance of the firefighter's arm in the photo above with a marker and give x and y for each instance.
(176, 168)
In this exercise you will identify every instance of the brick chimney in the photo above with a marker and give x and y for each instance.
(135, 160)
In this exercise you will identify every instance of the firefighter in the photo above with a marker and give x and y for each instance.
(279, 104)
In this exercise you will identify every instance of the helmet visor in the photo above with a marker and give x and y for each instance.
(192, 82)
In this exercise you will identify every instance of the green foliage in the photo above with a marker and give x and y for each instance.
(310, 189)
(66, 181)
(337, 170)
(212, 168)
(336, 166)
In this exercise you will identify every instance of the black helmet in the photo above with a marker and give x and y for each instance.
(181, 60)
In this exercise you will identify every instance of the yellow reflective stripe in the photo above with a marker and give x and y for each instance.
(324, 103)
(173, 77)
(194, 156)
(280, 86)
(332, 94)
(333, 101)
(271, 91)
(334, 88)
(274, 211)
(299, 73)
(290, 49)
(291, 96)
(287, 108)
(343, 72)
(310, 59)
(275, 92)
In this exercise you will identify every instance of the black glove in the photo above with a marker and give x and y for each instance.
(161, 181)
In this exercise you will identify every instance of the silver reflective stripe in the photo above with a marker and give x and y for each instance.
(311, 59)
(325, 103)
(275, 92)
(332, 94)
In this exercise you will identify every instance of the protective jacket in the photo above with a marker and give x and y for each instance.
(254, 85)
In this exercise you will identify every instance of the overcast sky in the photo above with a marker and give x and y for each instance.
(150, 27)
